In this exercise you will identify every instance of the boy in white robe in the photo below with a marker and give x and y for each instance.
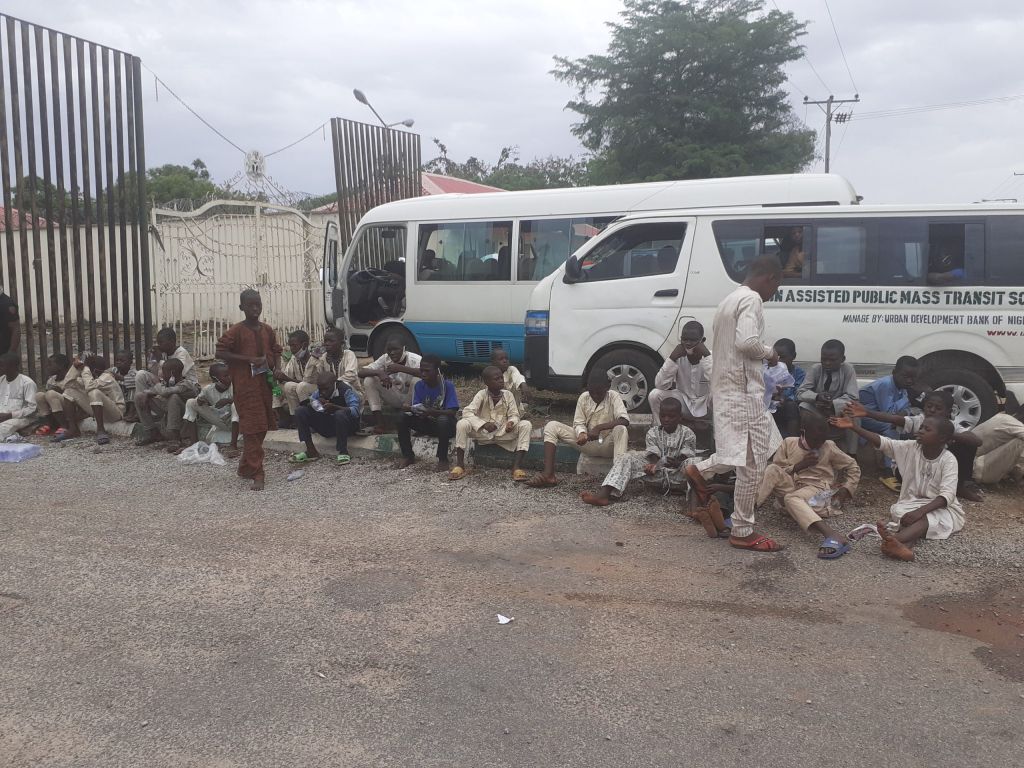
(492, 417)
(669, 446)
(290, 376)
(928, 506)
(389, 380)
(515, 382)
(600, 427)
(17, 396)
(686, 376)
(216, 406)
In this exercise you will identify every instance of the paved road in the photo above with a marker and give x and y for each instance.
(163, 616)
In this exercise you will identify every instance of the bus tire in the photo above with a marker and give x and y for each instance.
(974, 400)
(632, 374)
(380, 340)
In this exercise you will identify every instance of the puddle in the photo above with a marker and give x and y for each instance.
(994, 618)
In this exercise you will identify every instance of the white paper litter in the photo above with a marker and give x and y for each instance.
(505, 619)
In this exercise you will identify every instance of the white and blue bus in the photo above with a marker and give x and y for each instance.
(453, 274)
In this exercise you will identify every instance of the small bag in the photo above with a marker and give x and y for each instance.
(202, 453)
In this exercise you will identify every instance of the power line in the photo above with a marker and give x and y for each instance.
(841, 51)
(803, 54)
(199, 117)
(297, 141)
(901, 111)
(830, 115)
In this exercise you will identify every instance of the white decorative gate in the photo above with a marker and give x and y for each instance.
(203, 259)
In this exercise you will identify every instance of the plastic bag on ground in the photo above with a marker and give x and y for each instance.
(202, 453)
(17, 452)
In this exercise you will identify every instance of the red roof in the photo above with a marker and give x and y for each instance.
(434, 184)
(17, 219)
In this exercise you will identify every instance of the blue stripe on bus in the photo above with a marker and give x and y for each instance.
(468, 342)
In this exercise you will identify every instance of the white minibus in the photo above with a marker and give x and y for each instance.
(942, 283)
(452, 274)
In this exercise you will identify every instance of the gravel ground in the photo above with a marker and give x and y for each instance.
(158, 615)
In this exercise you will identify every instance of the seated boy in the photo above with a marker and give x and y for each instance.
(492, 417)
(514, 381)
(156, 398)
(670, 446)
(50, 401)
(928, 506)
(829, 387)
(787, 414)
(389, 380)
(802, 468)
(332, 411)
(963, 445)
(290, 376)
(432, 412)
(124, 373)
(17, 396)
(686, 377)
(93, 392)
(161, 407)
(336, 359)
(892, 395)
(599, 428)
(1001, 453)
(216, 406)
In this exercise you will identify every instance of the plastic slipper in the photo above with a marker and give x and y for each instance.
(838, 549)
(891, 483)
(342, 458)
(103, 439)
(760, 544)
(863, 531)
(520, 476)
(302, 458)
(44, 430)
(457, 473)
(539, 481)
(60, 436)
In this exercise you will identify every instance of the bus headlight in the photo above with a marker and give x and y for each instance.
(537, 322)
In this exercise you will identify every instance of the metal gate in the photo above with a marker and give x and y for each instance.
(373, 165)
(72, 165)
(204, 258)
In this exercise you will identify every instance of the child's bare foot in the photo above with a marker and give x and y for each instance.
(403, 462)
(257, 484)
(596, 499)
(443, 466)
(896, 549)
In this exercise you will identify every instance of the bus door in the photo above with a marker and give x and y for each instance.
(334, 290)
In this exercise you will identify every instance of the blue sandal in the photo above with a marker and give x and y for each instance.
(838, 549)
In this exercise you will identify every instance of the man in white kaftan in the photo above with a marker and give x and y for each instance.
(745, 433)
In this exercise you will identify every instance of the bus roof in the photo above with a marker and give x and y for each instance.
(792, 189)
(796, 212)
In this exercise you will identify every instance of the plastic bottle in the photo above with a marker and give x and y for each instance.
(275, 385)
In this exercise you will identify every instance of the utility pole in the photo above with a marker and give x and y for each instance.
(830, 115)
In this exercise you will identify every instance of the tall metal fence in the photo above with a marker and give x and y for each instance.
(372, 165)
(75, 254)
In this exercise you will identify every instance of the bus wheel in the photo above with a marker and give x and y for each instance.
(974, 400)
(632, 376)
(381, 339)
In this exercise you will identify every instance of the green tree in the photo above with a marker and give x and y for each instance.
(507, 172)
(180, 182)
(690, 90)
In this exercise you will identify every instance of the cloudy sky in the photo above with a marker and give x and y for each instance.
(475, 73)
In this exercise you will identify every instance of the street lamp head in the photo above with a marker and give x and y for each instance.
(408, 122)
(360, 96)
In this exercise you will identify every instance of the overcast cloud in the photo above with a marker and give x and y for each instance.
(476, 75)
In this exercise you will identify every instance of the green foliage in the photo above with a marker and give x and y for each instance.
(179, 182)
(690, 90)
(507, 172)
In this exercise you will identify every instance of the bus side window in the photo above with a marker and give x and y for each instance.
(1005, 257)
(466, 251)
(956, 253)
(638, 251)
(902, 251)
(740, 243)
(840, 253)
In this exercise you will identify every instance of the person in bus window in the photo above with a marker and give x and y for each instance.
(791, 253)
(946, 264)
(428, 265)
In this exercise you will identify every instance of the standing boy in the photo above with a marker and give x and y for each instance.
(670, 446)
(787, 414)
(17, 396)
(251, 350)
(686, 377)
(492, 417)
(50, 401)
(432, 412)
(600, 427)
(803, 468)
(514, 381)
(332, 411)
(928, 506)
(389, 380)
(830, 386)
(215, 405)
(164, 399)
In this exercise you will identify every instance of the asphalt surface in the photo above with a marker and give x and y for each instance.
(157, 615)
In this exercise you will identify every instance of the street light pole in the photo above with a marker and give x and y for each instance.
(361, 98)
